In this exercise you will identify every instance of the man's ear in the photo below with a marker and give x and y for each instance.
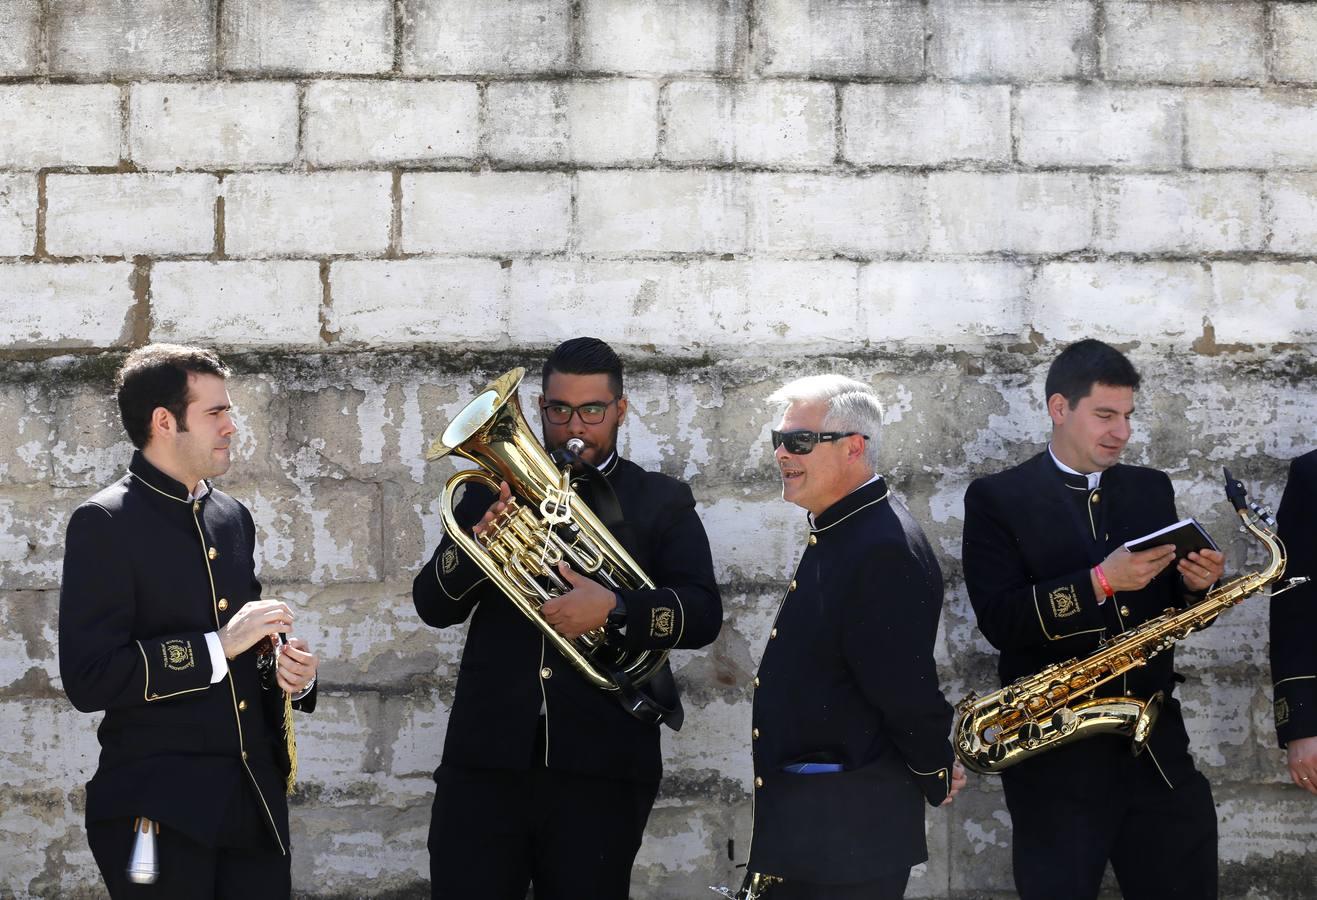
(1057, 407)
(163, 422)
(621, 409)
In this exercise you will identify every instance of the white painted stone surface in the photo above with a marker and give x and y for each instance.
(212, 124)
(320, 214)
(342, 36)
(1065, 125)
(382, 304)
(1117, 302)
(827, 214)
(1025, 213)
(1294, 54)
(1292, 203)
(952, 302)
(446, 37)
(660, 37)
(146, 37)
(660, 212)
(130, 215)
(609, 122)
(20, 37)
(985, 40)
(768, 123)
(839, 39)
(381, 122)
(491, 212)
(1260, 303)
(1248, 128)
(64, 306)
(1185, 42)
(35, 132)
(926, 124)
(1180, 214)
(18, 214)
(235, 303)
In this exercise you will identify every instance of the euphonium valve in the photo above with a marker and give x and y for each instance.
(143, 865)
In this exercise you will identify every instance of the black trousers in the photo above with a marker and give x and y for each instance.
(495, 832)
(889, 887)
(1076, 808)
(189, 870)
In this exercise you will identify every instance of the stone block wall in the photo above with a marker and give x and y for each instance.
(374, 206)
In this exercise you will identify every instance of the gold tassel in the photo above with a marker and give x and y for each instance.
(291, 741)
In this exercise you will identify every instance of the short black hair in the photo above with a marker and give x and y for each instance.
(157, 375)
(1084, 364)
(584, 356)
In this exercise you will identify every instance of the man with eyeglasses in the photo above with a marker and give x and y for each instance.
(546, 779)
(849, 730)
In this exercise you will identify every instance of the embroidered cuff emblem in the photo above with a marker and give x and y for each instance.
(660, 622)
(1064, 602)
(449, 560)
(178, 655)
(1282, 711)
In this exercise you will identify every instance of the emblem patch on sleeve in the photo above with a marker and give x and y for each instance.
(1282, 711)
(1064, 602)
(178, 655)
(660, 622)
(449, 560)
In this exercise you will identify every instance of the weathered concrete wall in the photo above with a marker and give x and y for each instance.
(376, 205)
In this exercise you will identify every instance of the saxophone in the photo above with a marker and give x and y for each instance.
(1057, 706)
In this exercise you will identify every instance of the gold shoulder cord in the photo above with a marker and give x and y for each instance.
(291, 741)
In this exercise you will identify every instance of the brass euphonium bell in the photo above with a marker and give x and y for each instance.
(544, 524)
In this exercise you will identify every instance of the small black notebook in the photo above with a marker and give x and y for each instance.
(1187, 536)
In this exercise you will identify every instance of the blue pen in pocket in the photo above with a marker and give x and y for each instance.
(812, 768)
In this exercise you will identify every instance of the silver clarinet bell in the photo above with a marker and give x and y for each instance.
(143, 866)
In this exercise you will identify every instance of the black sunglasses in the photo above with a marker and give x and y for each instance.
(561, 413)
(798, 443)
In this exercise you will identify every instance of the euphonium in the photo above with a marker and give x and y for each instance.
(1056, 706)
(520, 551)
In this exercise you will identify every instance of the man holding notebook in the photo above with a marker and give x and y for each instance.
(1049, 577)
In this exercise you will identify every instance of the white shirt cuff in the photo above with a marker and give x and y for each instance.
(219, 666)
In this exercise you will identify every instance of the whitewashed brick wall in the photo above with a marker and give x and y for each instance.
(373, 206)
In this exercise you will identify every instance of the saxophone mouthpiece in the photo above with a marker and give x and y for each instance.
(1235, 492)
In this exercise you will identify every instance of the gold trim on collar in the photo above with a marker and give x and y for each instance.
(887, 493)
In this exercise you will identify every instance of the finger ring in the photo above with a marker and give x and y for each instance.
(1303, 778)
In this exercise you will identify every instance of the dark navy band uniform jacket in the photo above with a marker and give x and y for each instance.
(510, 671)
(147, 573)
(1032, 535)
(1294, 613)
(847, 677)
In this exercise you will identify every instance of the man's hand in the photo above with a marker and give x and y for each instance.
(495, 509)
(958, 781)
(254, 621)
(296, 666)
(1202, 569)
(1128, 571)
(584, 608)
(1302, 755)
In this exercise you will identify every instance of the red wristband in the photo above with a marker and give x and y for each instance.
(1102, 580)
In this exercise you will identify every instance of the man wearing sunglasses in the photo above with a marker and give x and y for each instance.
(546, 779)
(849, 730)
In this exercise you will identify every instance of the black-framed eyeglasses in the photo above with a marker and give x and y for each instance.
(800, 442)
(561, 413)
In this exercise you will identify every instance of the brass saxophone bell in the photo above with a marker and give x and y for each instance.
(143, 865)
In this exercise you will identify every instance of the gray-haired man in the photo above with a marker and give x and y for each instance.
(849, 727)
